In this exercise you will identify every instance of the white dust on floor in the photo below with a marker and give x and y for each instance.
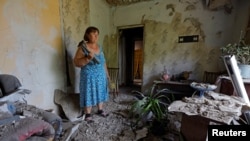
(115, 127)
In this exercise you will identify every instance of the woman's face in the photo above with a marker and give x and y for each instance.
(93, 36)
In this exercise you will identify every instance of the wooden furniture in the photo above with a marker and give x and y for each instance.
(211, 77)
(198, 114)
(194, 128)
(114, 84)
(226, 86)
(176, 88)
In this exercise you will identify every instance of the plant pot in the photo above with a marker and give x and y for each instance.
(158, 128)
(244, 71)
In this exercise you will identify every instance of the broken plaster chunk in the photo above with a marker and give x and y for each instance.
(69, 104)
(27, 113)
(141, 133)
(194, 100)
(72, 131)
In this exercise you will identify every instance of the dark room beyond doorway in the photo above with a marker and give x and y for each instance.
(131, 56)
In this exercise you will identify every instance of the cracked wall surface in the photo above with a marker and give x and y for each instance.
(165, 20)
(36, 36)
(75, 19)
(76, 16)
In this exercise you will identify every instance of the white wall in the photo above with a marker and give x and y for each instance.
(31, 48)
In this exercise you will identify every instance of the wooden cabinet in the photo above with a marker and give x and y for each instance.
(227, 86)
(177, 89)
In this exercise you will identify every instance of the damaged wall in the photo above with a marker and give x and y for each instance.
(166, 20)
(76, 16)
(31, 47)
(35, 36)
(75, 19)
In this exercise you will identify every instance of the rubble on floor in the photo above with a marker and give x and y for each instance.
(117, 126)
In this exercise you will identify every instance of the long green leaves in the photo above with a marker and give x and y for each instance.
(155, 101)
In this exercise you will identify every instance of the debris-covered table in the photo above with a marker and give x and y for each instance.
(212, 105)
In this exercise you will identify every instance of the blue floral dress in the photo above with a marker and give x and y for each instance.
(93, 82)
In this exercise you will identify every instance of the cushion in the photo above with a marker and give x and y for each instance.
(7, 110)
(28, 129)
(19, 95)
(9, 84)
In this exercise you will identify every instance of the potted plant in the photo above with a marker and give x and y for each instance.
(241, 51)
(150, 108)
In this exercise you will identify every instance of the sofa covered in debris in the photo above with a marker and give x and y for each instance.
(20, 121)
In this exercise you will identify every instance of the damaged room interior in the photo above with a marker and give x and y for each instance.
(190, 58)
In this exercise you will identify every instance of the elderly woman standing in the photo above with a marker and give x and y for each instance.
(93, 75)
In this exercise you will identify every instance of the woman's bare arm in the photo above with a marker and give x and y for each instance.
(80, 59)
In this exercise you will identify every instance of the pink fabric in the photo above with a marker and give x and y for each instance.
(28, 127)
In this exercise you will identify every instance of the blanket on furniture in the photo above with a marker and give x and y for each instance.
(20, 121)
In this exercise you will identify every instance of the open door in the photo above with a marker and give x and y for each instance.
(130, 55)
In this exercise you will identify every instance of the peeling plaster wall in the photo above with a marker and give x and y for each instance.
(242, 18)
(31, 47)
(77, 15)
(165, 20)
(100, 17)
(35, 38)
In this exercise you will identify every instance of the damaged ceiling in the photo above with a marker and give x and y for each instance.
(211, 4)
(123, 2)
(220, 4)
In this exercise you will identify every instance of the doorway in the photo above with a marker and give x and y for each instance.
(131, 56)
